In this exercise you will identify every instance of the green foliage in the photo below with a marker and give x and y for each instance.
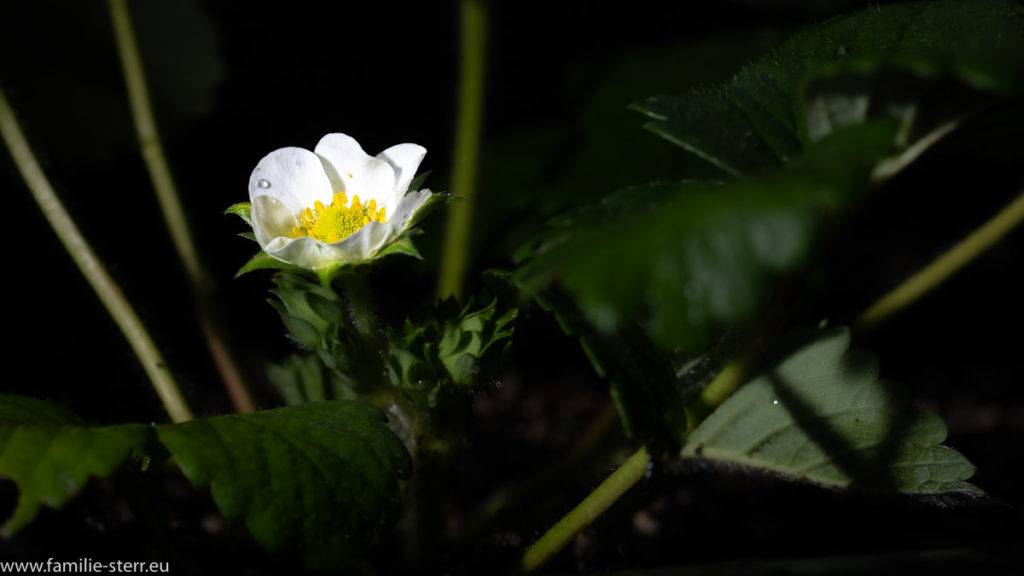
(50, 454)
(806, 131)
(321, 476)
(690, 258)
(822, 415)
(449, 348)
(767, 113)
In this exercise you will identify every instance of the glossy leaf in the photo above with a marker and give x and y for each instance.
(688, 259)
(50, 454)
(321, 477)
(823, 415)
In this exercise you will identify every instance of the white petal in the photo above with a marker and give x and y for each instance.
(407, 208)
(309, 253)
(405, 159)
(271, 219)
(366, 241)
(292, 175)
(353, 171)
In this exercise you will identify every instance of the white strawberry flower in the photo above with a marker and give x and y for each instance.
(336, 205)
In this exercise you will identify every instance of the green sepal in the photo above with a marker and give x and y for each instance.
(243, 210)
(264, 261)
(435, 200)
(318, 306)
(326, 274)
(403, 245)
(248, 236)
(417, 182)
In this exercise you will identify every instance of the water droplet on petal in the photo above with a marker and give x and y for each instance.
(263, 183)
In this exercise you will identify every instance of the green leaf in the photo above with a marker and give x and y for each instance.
(688, 259)
(759, 120)
(741, 128)
(822, 415)
(320, 476)
(50, 454)
(243, 210)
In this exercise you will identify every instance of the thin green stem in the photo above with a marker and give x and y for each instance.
(149, 140)
(586, 512)
(91, 267)
(170, 205)
(467, 146)
(944, 266)
(727, 381)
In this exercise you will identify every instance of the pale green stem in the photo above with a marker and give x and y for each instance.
(467, 147)
(944, 266)
(587, 511)
(91, 267)
(170, 205)
(727, 381)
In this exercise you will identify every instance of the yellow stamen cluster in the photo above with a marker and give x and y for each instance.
(337, 221)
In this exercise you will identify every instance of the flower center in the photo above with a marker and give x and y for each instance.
(337, 221)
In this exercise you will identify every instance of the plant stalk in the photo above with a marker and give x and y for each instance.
(467, 146)
(586, 512)
(170, 204)
(91, 267)
(944, 266)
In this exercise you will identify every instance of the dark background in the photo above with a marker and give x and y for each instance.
(232, 81)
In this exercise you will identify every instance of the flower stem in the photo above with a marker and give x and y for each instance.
(91, 267)
(718, 391)
(361, 308)
(467, 146)
(586, 512)
(170, 204)
(944, 266)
